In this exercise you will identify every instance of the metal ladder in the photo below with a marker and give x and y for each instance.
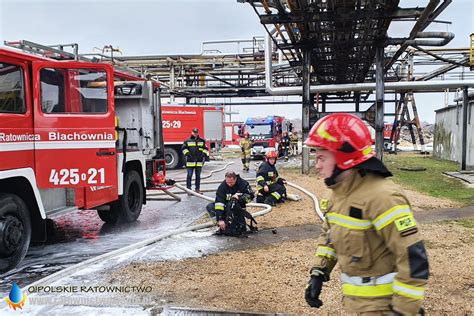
(57, 52)
(47, 51)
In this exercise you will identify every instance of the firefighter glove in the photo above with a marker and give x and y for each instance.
(313, 290)
(246, 197)
(236, 196)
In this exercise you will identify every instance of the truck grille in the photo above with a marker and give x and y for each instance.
(263, 144)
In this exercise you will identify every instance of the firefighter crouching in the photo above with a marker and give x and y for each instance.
(369, 227)
(195, 150)
(270, 188)
(285, 145)
(229, 208)
(245, 147)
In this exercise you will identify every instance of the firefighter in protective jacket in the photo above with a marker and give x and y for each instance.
(233, 188)
(271, 189)
(369, 228)
(285, 145)
(195, 150)
(294, 143)
(245, 147)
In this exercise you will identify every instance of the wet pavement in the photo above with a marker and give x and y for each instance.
(81, 235)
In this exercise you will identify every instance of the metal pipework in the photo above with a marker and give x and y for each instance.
(444, 38)
(438, 85)
(236, 41)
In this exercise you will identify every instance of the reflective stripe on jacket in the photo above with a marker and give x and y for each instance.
(245, 146)
(224, 194)
(195, 150)
(285, 142)
(371, 232)
(267, 174)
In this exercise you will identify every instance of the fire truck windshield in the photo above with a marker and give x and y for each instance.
(258, 130)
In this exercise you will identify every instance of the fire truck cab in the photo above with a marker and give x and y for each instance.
(73, 135)
(265, 132)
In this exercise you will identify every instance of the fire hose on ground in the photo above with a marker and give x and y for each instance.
(174, 195)
(131, 248)
(134, 247)
(211, 172)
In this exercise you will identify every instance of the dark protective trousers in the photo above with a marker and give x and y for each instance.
(275, 193)
(197, 180)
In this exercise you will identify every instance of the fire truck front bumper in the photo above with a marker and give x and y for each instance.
(259, 151)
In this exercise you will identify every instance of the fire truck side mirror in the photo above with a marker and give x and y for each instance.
(241, 130)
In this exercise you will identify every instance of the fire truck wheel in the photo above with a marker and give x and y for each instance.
(129, 205)
(109, 216)
(171, 158)
(15, 231)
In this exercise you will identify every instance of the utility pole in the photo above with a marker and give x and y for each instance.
(306, 107)
(465, 103)
(379, 104)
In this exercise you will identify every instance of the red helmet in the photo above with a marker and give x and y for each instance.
(345, 135)
(271, 154)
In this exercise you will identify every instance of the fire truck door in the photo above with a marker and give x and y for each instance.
(75, 120)
(16, 119)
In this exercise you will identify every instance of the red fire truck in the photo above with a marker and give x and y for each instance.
(73, 135)
(387, 132)
(265, 132)
(231, 130)
(178, 122)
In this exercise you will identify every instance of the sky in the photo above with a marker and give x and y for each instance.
(144, 27)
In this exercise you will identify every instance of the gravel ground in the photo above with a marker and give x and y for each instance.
(272, 278)
(300, 213)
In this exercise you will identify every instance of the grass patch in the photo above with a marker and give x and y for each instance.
(468, 223)
(432, 181)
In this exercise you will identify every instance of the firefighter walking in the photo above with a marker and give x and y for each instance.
(285, 145)
(294, 142)
(195, 150)
(245, 147)
(271, 189)
(369, 227)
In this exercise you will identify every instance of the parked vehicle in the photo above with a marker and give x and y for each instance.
(178, 122)
(73, 135)
(265, 133)
(231, 133)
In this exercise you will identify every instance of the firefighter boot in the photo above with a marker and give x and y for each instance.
(270, 200)
(246, 165)
(260, 198)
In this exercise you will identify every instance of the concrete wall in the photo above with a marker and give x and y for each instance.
(448, 134)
